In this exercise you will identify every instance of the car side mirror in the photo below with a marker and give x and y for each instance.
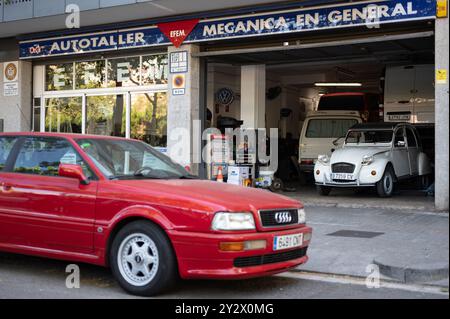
(400, 144)
(336, 141)
(73, 171)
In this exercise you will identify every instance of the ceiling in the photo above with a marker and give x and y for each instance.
(144, 10)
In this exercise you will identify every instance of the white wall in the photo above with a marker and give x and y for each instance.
(16, 110)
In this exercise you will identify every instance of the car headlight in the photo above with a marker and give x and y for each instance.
(367, 159)
(233, 221)
(324, 159)
(301, 216)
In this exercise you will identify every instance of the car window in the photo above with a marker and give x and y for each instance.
(42, 156)
(410, 138)
(6, 145)
(368, 137)
(328, 128)
(399, 136)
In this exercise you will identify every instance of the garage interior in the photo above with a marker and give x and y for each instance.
(293, 66)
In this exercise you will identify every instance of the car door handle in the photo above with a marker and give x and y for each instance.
(5, 187)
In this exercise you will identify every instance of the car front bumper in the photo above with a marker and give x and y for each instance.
(199, 255)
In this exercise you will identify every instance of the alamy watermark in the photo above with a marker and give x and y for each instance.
(73, 277)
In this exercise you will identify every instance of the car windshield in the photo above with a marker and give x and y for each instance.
(369, 137)
(128, 159)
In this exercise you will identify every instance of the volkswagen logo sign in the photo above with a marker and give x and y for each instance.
(225, 96)
(283, 217)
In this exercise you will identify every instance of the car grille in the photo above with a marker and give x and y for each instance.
(343, 168)
(274, 218)
(270, 259)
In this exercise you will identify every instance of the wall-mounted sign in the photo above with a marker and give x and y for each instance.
(178, 31)
(334, 16)
(178, 62)
(225, 96)
(10, 88)
(441, 76)
(10, 71)
(178, 84)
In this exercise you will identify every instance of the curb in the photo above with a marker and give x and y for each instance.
(428, 273)
(414, 210)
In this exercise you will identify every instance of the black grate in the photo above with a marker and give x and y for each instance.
(270, 259)
(343, 168)
(287, 217)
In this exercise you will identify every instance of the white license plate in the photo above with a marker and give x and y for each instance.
(288, 241)
(343, 176)
(401, 117)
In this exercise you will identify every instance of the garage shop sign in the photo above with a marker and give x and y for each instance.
(370, 14)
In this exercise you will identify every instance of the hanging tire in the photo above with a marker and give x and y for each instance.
(385, 186)
(277, 185)
(142, 259)
(323, 190)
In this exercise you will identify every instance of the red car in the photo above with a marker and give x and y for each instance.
(119, 203)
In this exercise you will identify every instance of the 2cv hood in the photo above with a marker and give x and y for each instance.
(354, 154)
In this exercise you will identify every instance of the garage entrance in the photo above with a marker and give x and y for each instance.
(391, 69)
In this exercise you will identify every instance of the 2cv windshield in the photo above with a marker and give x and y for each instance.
(369, 137)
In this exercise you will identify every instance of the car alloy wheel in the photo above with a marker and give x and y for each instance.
(138, 259)
(142, 259)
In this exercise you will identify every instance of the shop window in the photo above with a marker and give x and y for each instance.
(123, 72)
(62, 115)
(90, 74)
(149, 118)
(37, 119)
(154, 69)
(106, 115)
(59, 77)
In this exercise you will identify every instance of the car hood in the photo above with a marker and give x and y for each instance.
(354, 154)
(206, 195)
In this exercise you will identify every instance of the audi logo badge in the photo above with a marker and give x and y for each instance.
(283, 217)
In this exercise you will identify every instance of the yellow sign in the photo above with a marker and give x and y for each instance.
(441, 76)
(441, 8)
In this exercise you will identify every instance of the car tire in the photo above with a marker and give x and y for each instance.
(385, 186)
(323, 190)
(142, 259)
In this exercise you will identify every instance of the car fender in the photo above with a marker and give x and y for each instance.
(142, 211)
(379, 166)
(424, 164)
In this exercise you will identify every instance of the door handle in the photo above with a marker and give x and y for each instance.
(5, 187)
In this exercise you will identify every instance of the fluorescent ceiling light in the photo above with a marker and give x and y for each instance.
(337, 84)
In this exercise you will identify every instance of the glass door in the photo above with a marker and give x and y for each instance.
(63, 114)
(106, 115)
(149, 118)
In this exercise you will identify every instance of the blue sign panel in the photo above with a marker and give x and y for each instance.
(370, 14)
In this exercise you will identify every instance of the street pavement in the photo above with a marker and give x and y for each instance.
(337, 266)
(350, 241)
